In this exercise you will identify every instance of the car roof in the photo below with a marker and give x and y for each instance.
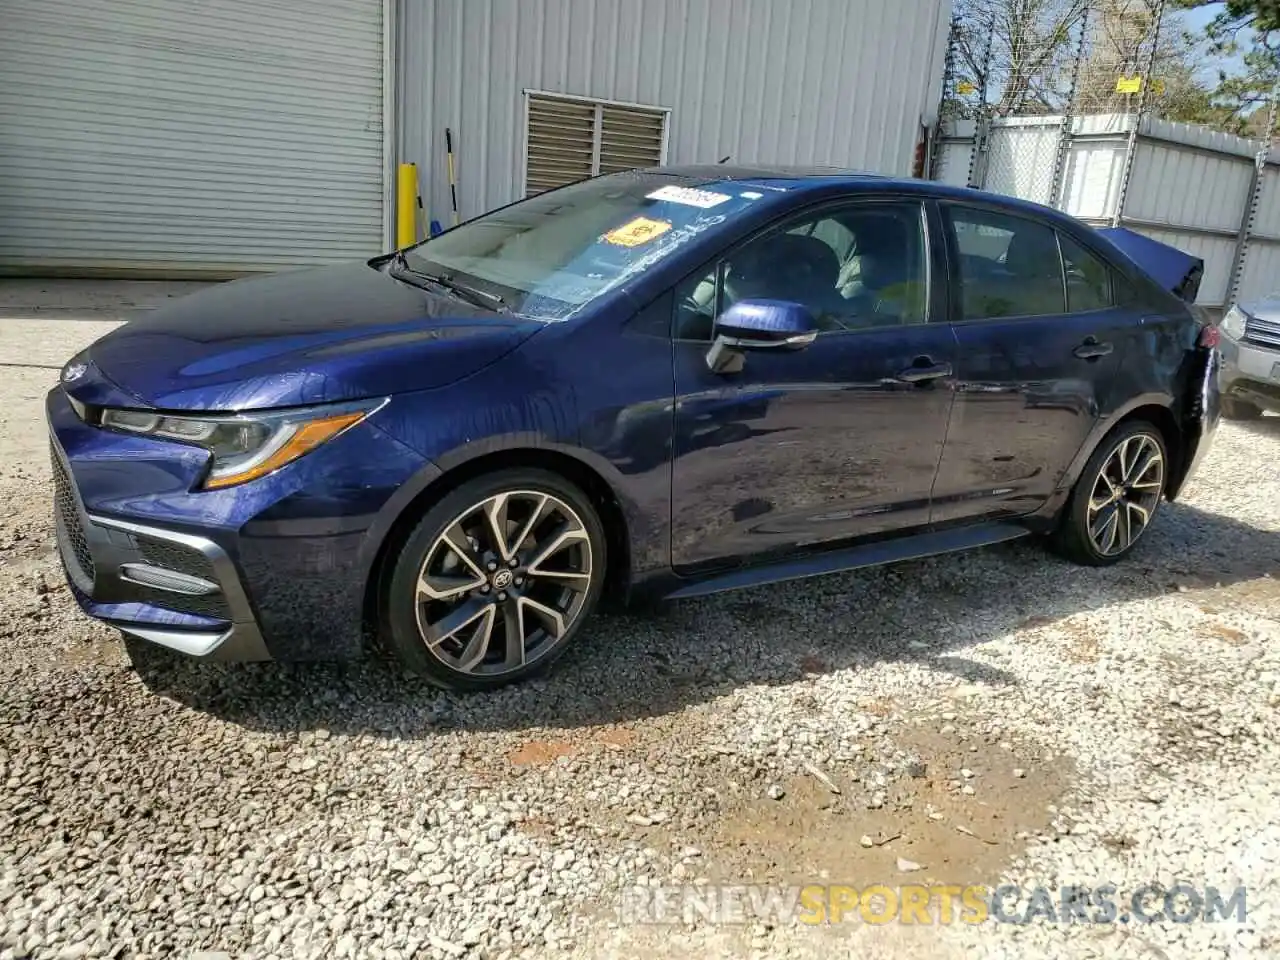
(801, 179)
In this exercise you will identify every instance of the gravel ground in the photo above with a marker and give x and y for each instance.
(998, 715)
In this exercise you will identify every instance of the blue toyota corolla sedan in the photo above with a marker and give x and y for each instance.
(672, 382)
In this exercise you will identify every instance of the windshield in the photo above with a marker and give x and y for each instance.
(550, 255)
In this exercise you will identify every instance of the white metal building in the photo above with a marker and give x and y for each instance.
(218, 137)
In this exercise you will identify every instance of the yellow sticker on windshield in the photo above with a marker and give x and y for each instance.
(635, 232)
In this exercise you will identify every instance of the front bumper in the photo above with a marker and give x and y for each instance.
(178, 590)
(1251, 373)
(276, 568)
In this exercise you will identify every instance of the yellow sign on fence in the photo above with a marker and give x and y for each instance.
(1128, 85)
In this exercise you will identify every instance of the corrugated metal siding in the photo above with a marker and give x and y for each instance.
(1267, 217)
(1191, 188)
(181, 136)
(1261, 274)
(1261, 271)
(842, 82)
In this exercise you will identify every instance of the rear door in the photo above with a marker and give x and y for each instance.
(1039, 343)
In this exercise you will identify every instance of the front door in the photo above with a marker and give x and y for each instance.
(835, 442)
(1038, 352)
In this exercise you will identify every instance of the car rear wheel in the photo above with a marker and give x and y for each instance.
(496, 580)
(1116, 498)
(1234, 409)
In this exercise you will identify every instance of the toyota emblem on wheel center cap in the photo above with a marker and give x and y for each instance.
(502, 579)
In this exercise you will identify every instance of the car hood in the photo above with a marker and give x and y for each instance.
(1264, 308)
(346, 332)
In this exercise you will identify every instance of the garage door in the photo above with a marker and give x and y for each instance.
(189, 137)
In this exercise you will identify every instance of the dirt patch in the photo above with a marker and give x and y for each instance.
(1237, 638)
(541, 753)
(813, 834)
(1082, 644)
(616, 737)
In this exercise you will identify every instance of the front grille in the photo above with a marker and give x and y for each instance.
(1262, 333)
(210, 605)
(68, 516)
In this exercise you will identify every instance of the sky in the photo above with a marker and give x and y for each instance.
(1195, 21)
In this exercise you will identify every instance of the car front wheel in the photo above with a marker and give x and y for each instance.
(496, 580)
(1116, 497)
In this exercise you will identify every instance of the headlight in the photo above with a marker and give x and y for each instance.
(1233, 323)
(249, 446)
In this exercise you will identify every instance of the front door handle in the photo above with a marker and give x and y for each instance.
(1091, 349)
(924, 372)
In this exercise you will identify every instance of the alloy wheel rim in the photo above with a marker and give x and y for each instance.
(1125, 494)
(504, 583)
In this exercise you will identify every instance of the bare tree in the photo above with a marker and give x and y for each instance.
(1017, 53)
(1017, 57)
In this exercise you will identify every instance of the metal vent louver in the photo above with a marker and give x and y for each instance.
(570, 139)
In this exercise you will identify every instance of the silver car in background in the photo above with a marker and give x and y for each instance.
(1250, 373)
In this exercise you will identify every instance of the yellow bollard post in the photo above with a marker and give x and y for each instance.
(407, 205)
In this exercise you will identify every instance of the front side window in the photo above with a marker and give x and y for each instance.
(1009, 266)
(552, 254)
(857, 267)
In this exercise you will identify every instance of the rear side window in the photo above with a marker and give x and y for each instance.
(1009, 266)
(1088, 278)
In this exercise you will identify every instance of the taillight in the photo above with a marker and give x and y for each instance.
(1210, 336)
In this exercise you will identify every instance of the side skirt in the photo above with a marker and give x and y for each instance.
(926, 544)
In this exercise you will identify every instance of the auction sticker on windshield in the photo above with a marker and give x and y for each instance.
(689, 196)
(635, 232)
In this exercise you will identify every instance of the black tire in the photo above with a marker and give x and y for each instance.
(404, 609)
(1072, 538)
(1236, 409)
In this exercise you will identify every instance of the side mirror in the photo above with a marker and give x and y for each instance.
(766, 325)
(759, 325)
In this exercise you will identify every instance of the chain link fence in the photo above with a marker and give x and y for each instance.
(1036, 65)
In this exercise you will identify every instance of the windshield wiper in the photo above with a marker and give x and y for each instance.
(477, 298)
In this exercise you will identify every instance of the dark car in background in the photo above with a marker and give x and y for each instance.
(669, 382)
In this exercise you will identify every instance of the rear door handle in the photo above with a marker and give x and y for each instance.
(1091, 349)
(925, 372)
